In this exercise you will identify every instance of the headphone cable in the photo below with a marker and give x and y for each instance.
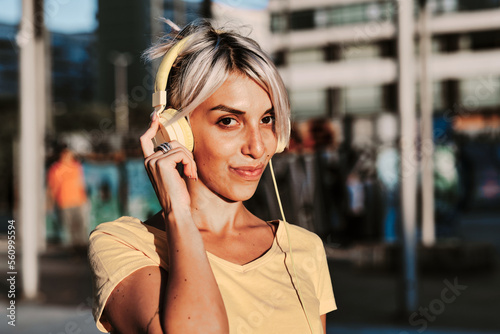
(289, 246)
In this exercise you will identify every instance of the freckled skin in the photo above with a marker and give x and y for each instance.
(224, 140)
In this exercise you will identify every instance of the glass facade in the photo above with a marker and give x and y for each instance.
(351, 52)
(73, 67)
(362, 100)
(380, 11)
(374, 99)
(308, 104)
(313, 55)
(9, 64)
(333, 16)
(481, 92)
(182, 12)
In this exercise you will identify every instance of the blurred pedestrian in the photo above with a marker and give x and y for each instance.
(66, 189)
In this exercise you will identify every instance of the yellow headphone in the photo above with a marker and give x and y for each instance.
(180, 129)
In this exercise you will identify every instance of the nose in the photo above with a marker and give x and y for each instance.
(254, 144)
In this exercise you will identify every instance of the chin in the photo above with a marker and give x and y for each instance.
(238, 193)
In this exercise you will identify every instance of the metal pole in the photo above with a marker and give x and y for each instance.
(121, 61)
(43, 77)
(409, 161)
(30, 40)
(427, 147)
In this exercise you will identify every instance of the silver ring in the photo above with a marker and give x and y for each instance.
(165, 147)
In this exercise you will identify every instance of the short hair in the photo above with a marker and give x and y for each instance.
(208, 58)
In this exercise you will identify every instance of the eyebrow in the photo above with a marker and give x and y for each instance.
(225, 108)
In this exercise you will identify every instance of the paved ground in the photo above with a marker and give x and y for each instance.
(368, 301)
(36, 319)
(372, 299)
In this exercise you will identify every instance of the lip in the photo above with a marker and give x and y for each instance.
(250, 173)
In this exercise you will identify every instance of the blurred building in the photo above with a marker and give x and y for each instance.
(338, 59)
(342, 53)
(72, 82)
(182, 12)
(9, 66)
(124, 28)
(9, 87)
(73, 67)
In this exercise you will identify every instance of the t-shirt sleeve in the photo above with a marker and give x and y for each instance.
(111, 259)
(324, 288)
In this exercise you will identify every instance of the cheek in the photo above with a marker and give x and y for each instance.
(209, 162)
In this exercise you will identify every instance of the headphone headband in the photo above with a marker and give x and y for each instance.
(160, 88)
(160, 93)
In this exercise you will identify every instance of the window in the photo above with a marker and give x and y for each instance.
(278, 22)
(305, 56)
(480, 92)
(362, 100)
(360, 51)
(308, 104)
(303, 19)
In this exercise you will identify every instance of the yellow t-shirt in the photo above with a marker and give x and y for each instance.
(258, 296)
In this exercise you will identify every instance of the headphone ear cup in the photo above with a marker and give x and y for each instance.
(180, 130)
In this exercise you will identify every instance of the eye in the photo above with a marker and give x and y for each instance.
(227, 121)
(268, 119)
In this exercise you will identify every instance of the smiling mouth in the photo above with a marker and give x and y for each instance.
(248, 173)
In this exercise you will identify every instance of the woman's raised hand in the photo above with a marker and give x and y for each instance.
(169, 186)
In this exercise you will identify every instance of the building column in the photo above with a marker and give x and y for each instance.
(408, 153)
(32, 149)
(426, 127)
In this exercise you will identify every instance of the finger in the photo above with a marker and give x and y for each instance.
(193, 169)
(146, 139)
(172, 158)
(176, 144)
(159, 153)
(176, 156)
(183, 156)
(190, 169)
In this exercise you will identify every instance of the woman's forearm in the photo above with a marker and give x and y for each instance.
(193, 302)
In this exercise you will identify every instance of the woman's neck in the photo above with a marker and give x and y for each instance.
(213, 213)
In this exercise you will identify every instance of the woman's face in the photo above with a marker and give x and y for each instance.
(234, 137)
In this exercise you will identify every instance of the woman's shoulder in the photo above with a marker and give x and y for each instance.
(301, 231)
(120, 225)
(126, 235)
(299, 235)
(125, 230)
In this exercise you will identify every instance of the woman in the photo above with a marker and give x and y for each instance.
(205, 264)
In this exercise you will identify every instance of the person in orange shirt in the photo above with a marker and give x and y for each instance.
(66, 187)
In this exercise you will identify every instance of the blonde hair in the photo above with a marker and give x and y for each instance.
(205, 62)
